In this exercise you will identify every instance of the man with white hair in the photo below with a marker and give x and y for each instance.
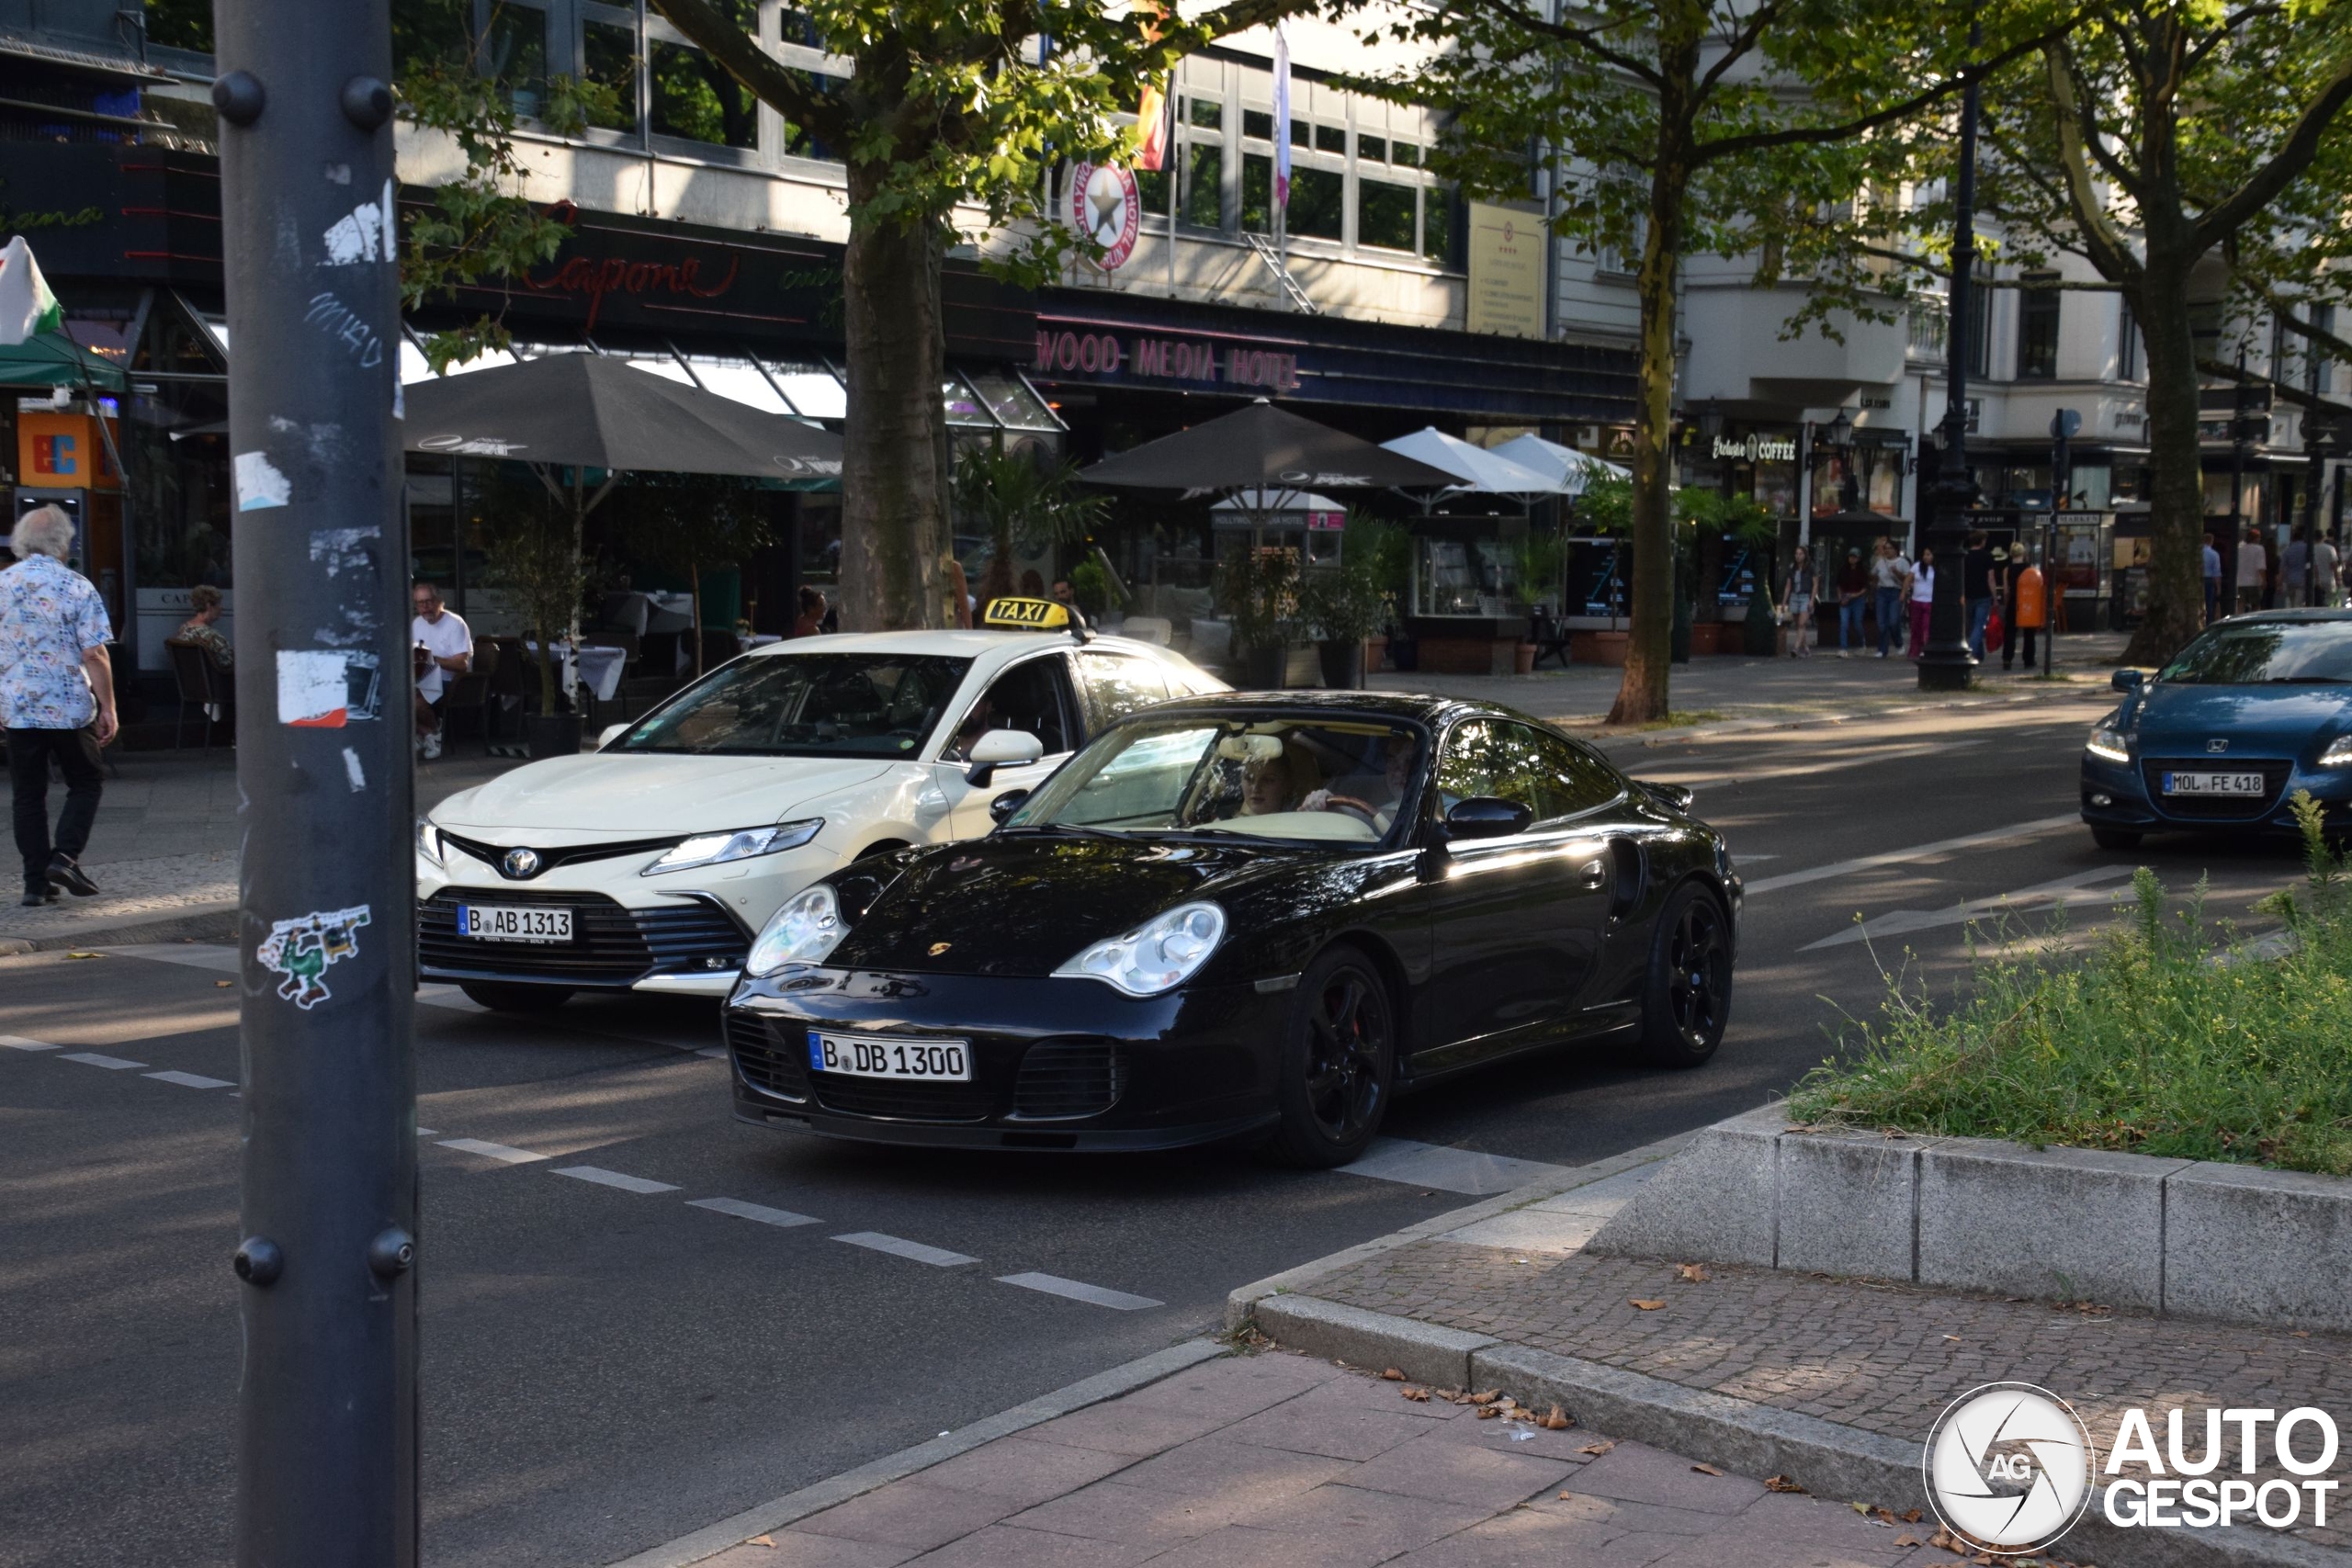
(56, 699)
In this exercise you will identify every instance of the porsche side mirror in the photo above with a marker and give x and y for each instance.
(1001, 749)
(1005, 805)
(2126, 680)
(611, 733)
(1486, 816)
(1673, 796)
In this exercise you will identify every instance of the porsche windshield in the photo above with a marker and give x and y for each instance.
(806, 704)
(2265, 653)
(1326, 779)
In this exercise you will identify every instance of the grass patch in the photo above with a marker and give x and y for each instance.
(2162, 1041)
(1678, 719)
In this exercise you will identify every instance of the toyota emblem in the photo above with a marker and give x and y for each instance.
(520, 864)
(2217, 745)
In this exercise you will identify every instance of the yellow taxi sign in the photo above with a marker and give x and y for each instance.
(1026, 614)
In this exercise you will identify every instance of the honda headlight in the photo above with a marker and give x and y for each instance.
(2111, 743)
(1158, 955)
(428, 842)
(2339, 753)
(744, 843)
(803, 932)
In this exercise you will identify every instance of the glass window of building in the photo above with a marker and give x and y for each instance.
(1371, 149)
(1206, 113)
(608, 53)
(1437, 224)
(1258, 193)
(695, 98)
(1330, 138)
(1385, 214)
(2037, 329)
(515, 55)
(1317, 203)
(1258, 125)
(1204, 184)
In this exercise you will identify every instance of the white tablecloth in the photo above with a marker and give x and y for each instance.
(600, 666)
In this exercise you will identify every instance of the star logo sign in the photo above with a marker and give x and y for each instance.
(2008, 1465)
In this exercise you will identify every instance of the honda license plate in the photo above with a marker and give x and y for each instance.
(2214, 784)
(504, 922)
(865, 1056)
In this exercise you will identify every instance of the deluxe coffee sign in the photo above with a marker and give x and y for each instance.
(1062, 351)
(1754, 448)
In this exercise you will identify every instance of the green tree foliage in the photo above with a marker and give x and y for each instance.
(690, 523)
(1022, 503)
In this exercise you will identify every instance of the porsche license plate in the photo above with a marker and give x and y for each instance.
(504, 922)
(2214, 784)
(863, 1057)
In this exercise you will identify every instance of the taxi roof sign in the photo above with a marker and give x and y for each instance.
(1026, 614)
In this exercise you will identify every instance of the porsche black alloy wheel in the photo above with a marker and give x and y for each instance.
(1339, 1059)
(503, 997)
(1688, 999)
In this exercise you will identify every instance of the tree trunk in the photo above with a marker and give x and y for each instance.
(1643, 697)
(894, 483)
(2176, 492)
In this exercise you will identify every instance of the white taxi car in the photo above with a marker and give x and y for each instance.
(650, 863)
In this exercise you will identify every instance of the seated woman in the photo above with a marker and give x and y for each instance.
(198, 630)
(1278, 782)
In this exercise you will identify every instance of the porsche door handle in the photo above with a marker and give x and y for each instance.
(1593, 874)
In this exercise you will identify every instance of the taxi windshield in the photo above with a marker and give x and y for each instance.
(1322, 779)
(2264, 653)
(805, 705)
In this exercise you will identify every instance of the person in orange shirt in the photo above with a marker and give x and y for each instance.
(2028, 606)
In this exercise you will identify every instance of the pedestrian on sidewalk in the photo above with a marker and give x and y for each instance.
(2325, 565)
(445, 646)
(1796, 602)
(2028, 604)
(2212, 580)
(1977, 589)
(1923, 596)
(2253, 565)
(1853, 598)
(1889, 575)
(56, 699)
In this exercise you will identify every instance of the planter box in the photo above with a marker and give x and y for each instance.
(1599, 648)
(1468, 655)
(1706, 638)
(2171, 1237)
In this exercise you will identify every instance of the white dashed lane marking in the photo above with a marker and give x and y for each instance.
(2008, 835)
(491, 1151)
(428, 1131)
(938, 1257)
(188, 1080)
(604, 1178)
(18, 1042)
(1055, 1285)
(2064, 893)
(93, 1059)
(780, 1218)
(1465, 1172)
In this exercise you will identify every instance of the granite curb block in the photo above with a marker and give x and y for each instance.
(794, 1506)
(1240, 1303)
(212, 923)
(2231, 1241)
(1830, 1460)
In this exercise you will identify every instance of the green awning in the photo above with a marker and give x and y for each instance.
(53, 359)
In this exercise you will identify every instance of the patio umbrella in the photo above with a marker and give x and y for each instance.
(1475, 469)
(587, 410)
(53, 359)
(1263, 448)
(1570, 470)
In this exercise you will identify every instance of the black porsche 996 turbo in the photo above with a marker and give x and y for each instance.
(1243, 914)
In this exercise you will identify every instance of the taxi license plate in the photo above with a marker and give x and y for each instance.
(863, 1057)
(504, 922)
(2214, 784)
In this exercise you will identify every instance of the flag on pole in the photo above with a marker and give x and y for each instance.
(26, 304)
(1151, 122)
(1282, 119)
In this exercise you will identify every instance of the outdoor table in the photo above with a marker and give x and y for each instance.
(599, 666)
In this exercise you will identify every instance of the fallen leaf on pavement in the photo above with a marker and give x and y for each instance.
(1706, 1469)
(82, 955)
(223, 985)
(1392, 1375)
(767, 1541)
(1912, 1515)
(1557, 1421)
(1487, 1412)
(1691, 1274)
(1647, 1306)
(1595, 1449)
(1418, 1395)
(1486, 1398)
(1908, 1540)
(1953, 1337)
(1862, 1508)
(1782, 1484)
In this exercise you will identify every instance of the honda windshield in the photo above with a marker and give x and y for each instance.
(2265, 653)
(805, 705)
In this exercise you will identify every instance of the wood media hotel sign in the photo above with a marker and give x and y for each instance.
(1063, 351)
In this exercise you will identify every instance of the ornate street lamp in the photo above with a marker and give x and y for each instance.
(2319, 442)
(1946, 662)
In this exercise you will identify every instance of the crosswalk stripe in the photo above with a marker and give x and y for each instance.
(1077, 1291)
(898, 1247)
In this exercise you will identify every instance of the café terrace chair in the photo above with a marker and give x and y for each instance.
(203, 685)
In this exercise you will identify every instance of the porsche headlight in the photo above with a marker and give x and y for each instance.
(2339, 753)
(2109, 742)
(428, 842)
(1158, 955)
(717, 849)
(806, 929)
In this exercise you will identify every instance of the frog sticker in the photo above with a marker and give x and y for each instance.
(301, 950)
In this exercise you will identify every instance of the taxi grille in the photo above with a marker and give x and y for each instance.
(768, 1055)
(610, 944)
(2214, 807)
(1062, 1079)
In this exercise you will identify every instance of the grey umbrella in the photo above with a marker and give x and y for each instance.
(1262, 447)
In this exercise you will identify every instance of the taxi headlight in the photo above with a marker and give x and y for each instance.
(2110, 743)
(806, 929)
(428, 842)
(1158, 955)
(717, 849)
(2339, 753)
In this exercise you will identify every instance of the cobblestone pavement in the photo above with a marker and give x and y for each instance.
(1884, 1357)
(1286, 1462)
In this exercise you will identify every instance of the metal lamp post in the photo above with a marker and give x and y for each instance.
(1946, 660)
(2319, 445)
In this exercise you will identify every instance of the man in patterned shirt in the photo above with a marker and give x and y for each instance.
(56, 698)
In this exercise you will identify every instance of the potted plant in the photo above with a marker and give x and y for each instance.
(533, 560)
(1605, 511)
(1703, 515)
(1258, 591)
(1344, 606)
(1385, 550)
(692, 524)
(1540, 556)
(1095, 592)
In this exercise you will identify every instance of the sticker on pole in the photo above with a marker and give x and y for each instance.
(326, 688)
(299, 952)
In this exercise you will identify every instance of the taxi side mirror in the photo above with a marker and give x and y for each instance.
(610, 733)
(1002, 749)
(2126, 680)
(1486, 816)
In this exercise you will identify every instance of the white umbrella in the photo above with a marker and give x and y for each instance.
(1569, 470)
(1485, 472)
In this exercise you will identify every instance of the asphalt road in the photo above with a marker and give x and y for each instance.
(609, 1365)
